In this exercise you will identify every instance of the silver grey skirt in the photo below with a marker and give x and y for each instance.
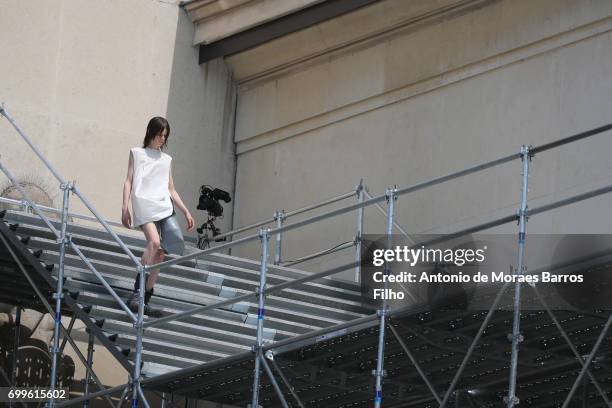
(170, 235)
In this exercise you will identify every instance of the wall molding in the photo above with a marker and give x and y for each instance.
(471, 70)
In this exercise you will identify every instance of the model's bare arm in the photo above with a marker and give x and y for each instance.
(179, 203)
(126, 217)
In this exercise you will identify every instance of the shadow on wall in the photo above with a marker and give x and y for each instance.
(201, 102)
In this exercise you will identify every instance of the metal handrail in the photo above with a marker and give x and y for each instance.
(309, 278)
(57, 234)
(287, 214)
(24, 203)
(320, 204)
(317, 254)
(251, 295)
(63, 239)
(74, 189)
(54, 210)
(264, 234)
(402, 191)
(384, 212)
(35, 206)
(225, 234)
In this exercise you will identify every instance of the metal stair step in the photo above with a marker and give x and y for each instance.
(245, 277)
(177, 343)
(192, 290)
(103, 241)
(190, 275)
(178, 329)
(275, 316)
(198, 338)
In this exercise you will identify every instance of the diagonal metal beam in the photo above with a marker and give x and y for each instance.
(52, 313)
(122, 398)
(69, 330)
(286, 382)
(277, 389)
(415, 363)
(454, 349)
(588, 361)
(473, 346)
(570, 344)
(142, 397)
(106, 392)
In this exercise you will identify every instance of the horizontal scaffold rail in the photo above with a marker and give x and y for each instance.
(258, 352)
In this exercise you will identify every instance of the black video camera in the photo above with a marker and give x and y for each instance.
(209, 200)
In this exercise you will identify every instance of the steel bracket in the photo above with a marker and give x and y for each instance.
(66, 240)
(515, 400)
(66, 186)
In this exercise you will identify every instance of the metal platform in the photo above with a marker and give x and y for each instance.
(328, 348)
(325, 349)
(333, 368)
(195, 340)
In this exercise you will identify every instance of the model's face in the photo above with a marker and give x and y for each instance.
(159, 140)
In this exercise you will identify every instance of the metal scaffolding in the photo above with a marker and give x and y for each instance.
(264, 356)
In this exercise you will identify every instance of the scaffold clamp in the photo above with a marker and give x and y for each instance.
(515, 400)
(66, 240)
(263, 233)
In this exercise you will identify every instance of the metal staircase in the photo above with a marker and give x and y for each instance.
(197, 339)
(214, 345)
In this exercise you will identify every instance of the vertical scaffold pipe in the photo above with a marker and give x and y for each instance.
(379, 373)
(279, 216)
(516, 337)
(15, 348)
(90, 351)
(358, 238)
(139, 332)
(264, 237)
(59, 293)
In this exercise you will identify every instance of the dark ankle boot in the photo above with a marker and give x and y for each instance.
(149, 310)
(133, 300)
(148, 294)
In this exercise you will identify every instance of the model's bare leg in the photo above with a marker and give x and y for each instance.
(159, 257)
(150, 254)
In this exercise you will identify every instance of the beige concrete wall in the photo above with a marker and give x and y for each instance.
(82, 79)
(426, 100)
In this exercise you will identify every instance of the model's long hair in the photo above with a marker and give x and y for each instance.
(156, 125)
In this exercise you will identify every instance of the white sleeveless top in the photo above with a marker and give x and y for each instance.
(150, 194)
